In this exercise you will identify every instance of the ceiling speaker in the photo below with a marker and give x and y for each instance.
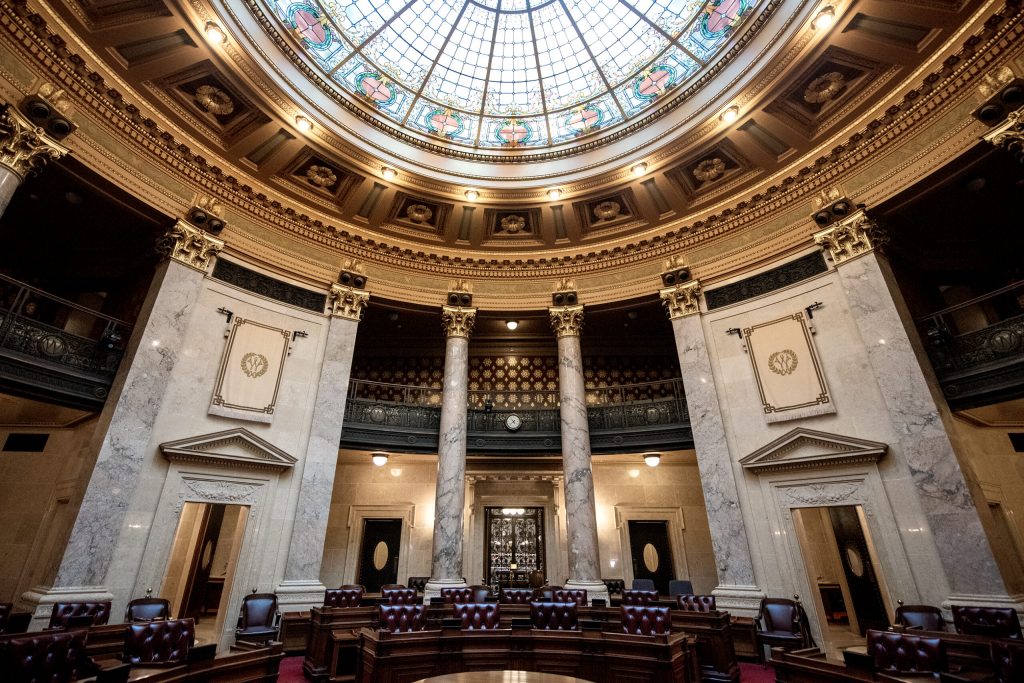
(675, 277)
(998, 107)
(836, 211)
(564, 299)
(463, 299)
(39, 112)
(354, 280)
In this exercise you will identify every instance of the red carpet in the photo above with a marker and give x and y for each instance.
(291, 670)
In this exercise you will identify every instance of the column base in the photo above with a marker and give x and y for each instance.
(739, 601)
(595, 589)
(297, 595)
(433, 587)
(40, 601)
(1015, 602)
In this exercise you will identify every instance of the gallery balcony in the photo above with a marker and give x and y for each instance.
(626, 418)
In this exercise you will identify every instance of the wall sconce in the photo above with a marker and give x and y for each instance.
(303, 124)
(512, 324)
(730, 114)
(639, 169)
(824, 18)
(214, 33)
(472, 195)
(388, 173)
(379, 459)
(652, 459)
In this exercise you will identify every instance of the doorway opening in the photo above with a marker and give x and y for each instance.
(513, 546)
(202, 564)
(379, 553)
(846, 580)
(651, 552)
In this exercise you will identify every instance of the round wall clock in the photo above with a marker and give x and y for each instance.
(513, 422)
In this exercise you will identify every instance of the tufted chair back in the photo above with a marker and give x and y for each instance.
(614, 586)
(418, 582)
(994, 622)
(904, 653)
(645, 620)
(400, 596)
(545, 593)
(465, 594)
(695, 603)
(478, 616)
(147, 609)
(924, 617)
(630, 597)
(62, 611)
(403, 618)
(577, 595)
(346, 596)
(515, 596)
(45, 657)
(554, 616)
(1008, 660)
(159, 642)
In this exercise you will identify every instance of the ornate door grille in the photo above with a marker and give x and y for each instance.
(514, 546)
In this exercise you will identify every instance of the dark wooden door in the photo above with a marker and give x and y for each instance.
(378, 553)
(651, 553)
(202, 560)
(860, 574)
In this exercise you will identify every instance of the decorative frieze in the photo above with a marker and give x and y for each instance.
(682, 300)
(457, 321)
(347, 302)
(566, 321)
(24, 147)
(272, 288)
(190, 246)
(851, 237)
(770, 280)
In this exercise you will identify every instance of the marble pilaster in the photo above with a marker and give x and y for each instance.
(301, 587)
(878, 311)
(446, 568)
(24, 149)
(737, 589)
(580, 509)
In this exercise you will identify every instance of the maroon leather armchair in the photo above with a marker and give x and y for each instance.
(258, 621)
(515, 596)
(402, 618)
(577, 595)
(545, 593)
(63, 611)
(554, 616)
(400, 596)
(922, 617)
(781, 623)
(159, 642)
(614, 586)
(465, 594)
(45, 656)
(696, 603)
(1008, 660)
(993, 622)
(478, 616)
(645, 620)
(418, 582)
(631, 597)
(346, 596)
(147, 609)
(904, 653)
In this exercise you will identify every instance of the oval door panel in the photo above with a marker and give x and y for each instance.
(651, 558)
(380, 556)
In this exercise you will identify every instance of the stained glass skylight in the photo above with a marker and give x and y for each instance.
(511, 73)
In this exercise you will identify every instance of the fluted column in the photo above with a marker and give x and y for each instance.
(301, 587)
(24, 149)
(446, 559)
(736, 589)
(580, 511)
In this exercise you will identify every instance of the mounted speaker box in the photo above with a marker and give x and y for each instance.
(998, 107)
(675, 277)
(354, 280)
(201, 219)
(837, 211)
(564, 299)
(41, 113)
(463, 299)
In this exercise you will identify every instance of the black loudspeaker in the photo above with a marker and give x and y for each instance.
(565, 299)
(675, 277)
(201, 219)
(354, 280)
(41, 113)
(830, 214)
(999, 106)
(460, 299)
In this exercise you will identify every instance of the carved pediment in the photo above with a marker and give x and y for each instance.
(810, 449)
(233, 448)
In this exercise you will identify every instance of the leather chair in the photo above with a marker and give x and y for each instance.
(645, 620)
(402, 618)
(258, 621)
(515, 596)
(5, 610)
(643, 585)
(639, 597)
(614, 586)
(147, 609)
(577, 595)
(400, 595)
(902, 653)
(545, 593)
(554, 616)
(466, 594)
(993, 622)
(50, 657)
(17, 622)
(536, 579)
(696, 603)
(1008, 660)
(680, 587)
(922, 617)
(478, 616)
(346, 596)
(62, 611)
(418, 582)
(782, 623)
(159, 642)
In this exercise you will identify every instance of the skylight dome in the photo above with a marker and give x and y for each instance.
(511, 73)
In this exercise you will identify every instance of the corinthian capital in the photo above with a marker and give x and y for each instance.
(855, 235)
(1009, 134)
(348, 302)
(24, 147)
(682, 300)
(190, 246)
(457, 321)
(566, 321)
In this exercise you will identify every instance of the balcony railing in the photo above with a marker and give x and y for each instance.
(57, 350)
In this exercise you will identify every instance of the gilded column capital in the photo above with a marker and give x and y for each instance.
(1009, 134)
(347, 302)
(566, 321)
(457, 321)
(190, 246)
(855, 235)
(24, 147)
(682, 300)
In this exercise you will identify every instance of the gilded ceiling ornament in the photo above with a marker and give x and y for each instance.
(347, 302)
(1009, 134)
(824, 88)
(513, 223)
(457, 321)
(459, 286)
(189, 245)
(57, 97)
(858, 234)
(607, 210)
(25, 148)
(214, 100)
(566, 321)
(566, 284)
(419, 213)
(709, 169)
(682, 300)
(321, 176)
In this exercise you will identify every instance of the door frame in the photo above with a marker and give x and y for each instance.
(673, 516)
(406, 512)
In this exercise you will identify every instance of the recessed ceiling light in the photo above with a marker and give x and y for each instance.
(730, 114)
(303, 124)
(554, 193)
(388, 173)
(639, 169)
(824, 18)
(214, 33)
(472, 195)
(511, 324)
(379, 459)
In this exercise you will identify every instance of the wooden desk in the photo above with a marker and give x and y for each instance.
(501, 677)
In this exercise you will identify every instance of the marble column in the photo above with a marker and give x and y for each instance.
(446, 570)
(737, 590)
(126, 424)
(301, 587)
(24, 148)
(580, 510)
(878, 310)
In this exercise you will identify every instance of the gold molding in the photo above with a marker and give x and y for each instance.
(457, 321)
(682, 300)
(566, 321)
(347, 302)
(1009, 133)
(853, 236)
(24, 147)
(189, 246)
